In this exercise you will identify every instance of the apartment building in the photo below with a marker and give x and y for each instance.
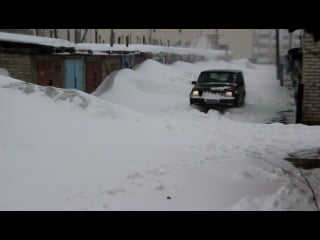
(264, 46)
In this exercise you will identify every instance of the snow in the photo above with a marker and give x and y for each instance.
(136, 144)
(4, 72)
(201, 42)
(22, 38)
(155, 49)
(101, 49)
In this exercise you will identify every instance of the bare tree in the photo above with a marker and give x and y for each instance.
(84, 35)
(77, 34)
(55, 31)
(68, 34)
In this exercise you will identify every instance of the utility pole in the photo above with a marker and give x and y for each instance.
(96, 35)
(277, 52)
(150, 32)
(55, 31)
(77, 35)
(279, 68)
(216, 38)
(68, 34)
(290, 40)
(127, 41)
(111, 38)
(257, 42)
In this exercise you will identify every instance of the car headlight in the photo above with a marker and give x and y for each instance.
(195, 93)
(229, 94)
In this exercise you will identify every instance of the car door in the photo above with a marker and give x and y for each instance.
(241, 86)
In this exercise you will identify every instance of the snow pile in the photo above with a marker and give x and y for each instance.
(4, 72)
(140, 146)
(146, 85)
(52, 92)
(73, 100)
(151, 87)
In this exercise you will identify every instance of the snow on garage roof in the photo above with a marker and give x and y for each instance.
(147, 48)
(28, 39)
(106, 47)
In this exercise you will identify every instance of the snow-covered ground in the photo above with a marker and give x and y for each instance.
(136, 144)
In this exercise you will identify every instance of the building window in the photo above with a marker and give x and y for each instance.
(264, 35)
(263, 45)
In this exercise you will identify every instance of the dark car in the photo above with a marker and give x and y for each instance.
(218, 88)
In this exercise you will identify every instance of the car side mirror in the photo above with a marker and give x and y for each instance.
(193, 82)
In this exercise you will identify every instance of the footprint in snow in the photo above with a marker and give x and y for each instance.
(213, 159)
(135, 175)
(105, 206)
(158, 172)
(113, 192)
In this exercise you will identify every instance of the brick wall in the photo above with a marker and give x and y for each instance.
(19, 66)
(311, 81)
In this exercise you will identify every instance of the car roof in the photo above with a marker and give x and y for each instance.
(223, 70)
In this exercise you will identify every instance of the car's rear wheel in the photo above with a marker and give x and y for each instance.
(236, 102)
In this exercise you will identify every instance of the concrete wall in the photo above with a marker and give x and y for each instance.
(311, 81)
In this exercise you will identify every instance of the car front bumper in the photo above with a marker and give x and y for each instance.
(227, 102)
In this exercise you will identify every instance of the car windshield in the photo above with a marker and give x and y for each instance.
(216, 77)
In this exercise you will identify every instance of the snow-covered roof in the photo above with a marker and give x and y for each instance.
(29, 39)
(106, 47)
